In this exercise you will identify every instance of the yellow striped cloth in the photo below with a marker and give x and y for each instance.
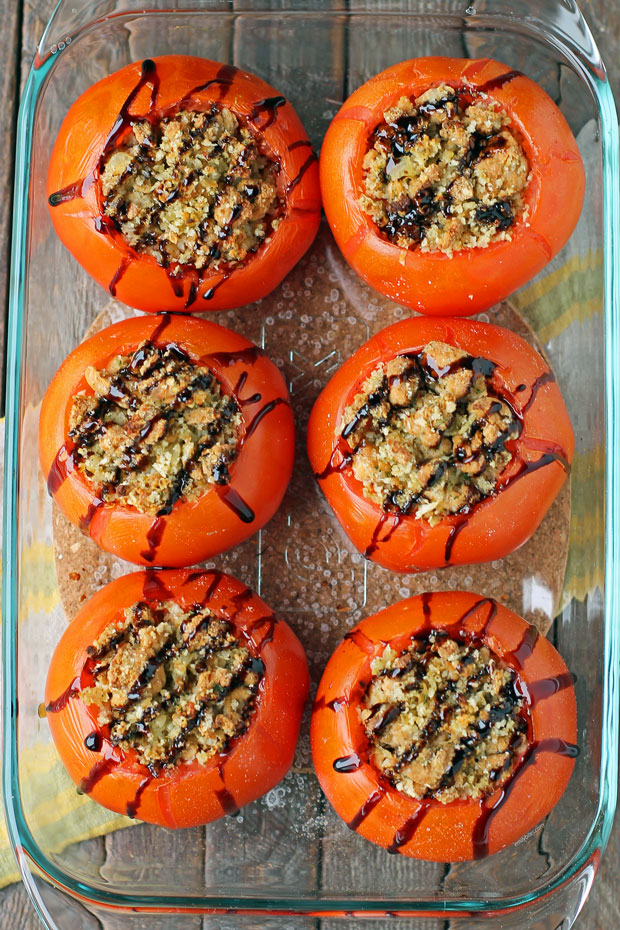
(564, 306)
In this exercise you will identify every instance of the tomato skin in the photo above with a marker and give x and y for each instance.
(470, 280)
(188, 794)
(102, 251)
(445, 832)
(494, 527)
(194, 530)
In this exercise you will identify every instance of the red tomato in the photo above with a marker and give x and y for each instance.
(186, 794)
(527, 487)
(428, 829)
(102, 117)
(469, 280)
(224, 515)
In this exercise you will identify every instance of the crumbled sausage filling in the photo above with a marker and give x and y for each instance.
(174, 685)
(444, 719)
(194, 188)
(427, 433)
(445, 172)
(155, 429)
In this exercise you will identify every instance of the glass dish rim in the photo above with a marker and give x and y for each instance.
(23, 842)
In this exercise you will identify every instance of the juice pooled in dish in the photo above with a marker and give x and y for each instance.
(440, 441)
(448, 183)
(184, 184)
(167, 441)
(176, 697)
(444, 727)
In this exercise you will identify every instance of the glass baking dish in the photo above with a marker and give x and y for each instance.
(288, 856)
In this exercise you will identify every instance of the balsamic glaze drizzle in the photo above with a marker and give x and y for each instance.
(59, 703)
(132, 807)
(293, 184)
(154, 588)
(498, 82)
(235, 502)
(229, 805)
(369, 804)
(483, 824)
(153, 539)
(94, 741)
(268, 106)
(546, 378)
(346, 764)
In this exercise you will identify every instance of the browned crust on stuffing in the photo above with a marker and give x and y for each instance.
(444, 719)
(172, 684)
(194, 189)
(428, 433)
(154, 428)
(444, 172)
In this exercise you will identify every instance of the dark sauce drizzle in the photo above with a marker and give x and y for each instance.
(258, 417)
(161, 326)
(293, 184)
(546, 378)
(154, 588)
(346, 764)
(153, 539)
(269, 106)
(70, 192)
(229, 805)
(59, 703)
(405, 833)
(498, 82)
(133, 806)
(235, 502)
(369, 804)
(100, 769)
(483, 824)
(63, 465)
(94, 741)
(535, 691)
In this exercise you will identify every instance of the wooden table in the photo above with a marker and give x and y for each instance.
(23, 23)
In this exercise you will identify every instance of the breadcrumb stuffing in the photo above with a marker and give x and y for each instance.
(194, 188)
(428, 433)
(155, 428)
(444, 719)
(445, 171)
(173, 685)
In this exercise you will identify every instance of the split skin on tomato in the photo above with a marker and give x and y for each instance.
(186, 794)
(221, 517)
(152, 90)
(471, 279)
(460, 829)
(526, 488)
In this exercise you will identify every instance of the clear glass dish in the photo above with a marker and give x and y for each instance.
(289, 855)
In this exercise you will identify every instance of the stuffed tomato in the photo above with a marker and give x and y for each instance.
(448, 183)
(440, 442)
(167, 440)
(176, 696)
(444, 727)
(184, 184)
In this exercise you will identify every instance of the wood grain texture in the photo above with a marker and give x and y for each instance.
(602, 910)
